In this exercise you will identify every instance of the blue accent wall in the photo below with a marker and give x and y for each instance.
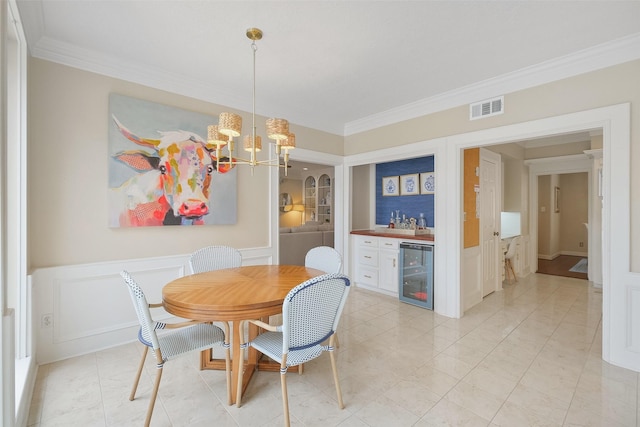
(411, 206)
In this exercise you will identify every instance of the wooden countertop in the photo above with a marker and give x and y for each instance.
(424, 237)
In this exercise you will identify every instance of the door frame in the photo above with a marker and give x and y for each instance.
(621, 303)
(550, 166)
(304, 155)
(620, 330)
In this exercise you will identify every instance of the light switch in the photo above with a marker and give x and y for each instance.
(543, 209)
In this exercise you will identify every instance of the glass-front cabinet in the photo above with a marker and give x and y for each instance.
(310, 199)
(324, 199)
(318, 198)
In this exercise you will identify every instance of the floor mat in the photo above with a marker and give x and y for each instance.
(580, 267)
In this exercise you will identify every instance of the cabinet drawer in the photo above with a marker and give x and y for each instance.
(367, 276)
(368, 257)
(386, 243)
(367, 241)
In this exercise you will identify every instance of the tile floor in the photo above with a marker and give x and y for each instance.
(529, 355)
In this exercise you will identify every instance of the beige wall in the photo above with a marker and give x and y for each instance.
(294, 188)
(609, 86)
(67, 198)
(561, 232)
(67, 132)
(512, 189)
(361, 197)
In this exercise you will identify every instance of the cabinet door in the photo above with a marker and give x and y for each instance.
(310, 213)
(325, 199)
(388, 271)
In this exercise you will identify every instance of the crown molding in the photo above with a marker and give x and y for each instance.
(601, 56)
(112, 66)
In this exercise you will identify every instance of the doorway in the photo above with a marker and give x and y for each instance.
(449, 260)
(300, 201)
(563, 218)
(588, 232)
(296, 217)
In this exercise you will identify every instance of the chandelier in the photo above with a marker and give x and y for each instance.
(230, 126)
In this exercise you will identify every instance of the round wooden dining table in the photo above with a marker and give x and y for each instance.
(234, 294)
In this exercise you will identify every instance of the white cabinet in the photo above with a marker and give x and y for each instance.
(388, 265)
(375, 261)
(318, 198)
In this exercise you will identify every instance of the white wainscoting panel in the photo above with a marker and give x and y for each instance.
(471, 277)
(80, 309)
(633, 336)
(525, 260)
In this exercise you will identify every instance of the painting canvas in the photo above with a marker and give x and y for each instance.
(160, 170)
(427, 183)
(409, 185)
(390, 186)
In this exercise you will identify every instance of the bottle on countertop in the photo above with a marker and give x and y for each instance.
(422, 222)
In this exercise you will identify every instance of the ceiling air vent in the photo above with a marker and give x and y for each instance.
(486, 108)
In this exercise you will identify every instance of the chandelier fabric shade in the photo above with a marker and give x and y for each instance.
(277, 129)
(249, 145)
(230, 126)
(289, 142)
(215, 137)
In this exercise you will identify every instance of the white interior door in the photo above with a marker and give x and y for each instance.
(490, 191)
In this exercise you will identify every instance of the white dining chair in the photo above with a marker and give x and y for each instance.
(189, 336)
(509, 256)
(214, 258)
(324, 258)
(310, 314)
(327, 259)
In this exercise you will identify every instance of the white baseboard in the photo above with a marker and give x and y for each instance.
(557, 254)
(575, 253)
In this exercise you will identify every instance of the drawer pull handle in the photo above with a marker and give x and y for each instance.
(367, 241)
(368, 277)
(367, 256)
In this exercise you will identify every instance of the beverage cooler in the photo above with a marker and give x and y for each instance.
(416, 274)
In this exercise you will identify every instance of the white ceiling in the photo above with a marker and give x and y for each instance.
(338, 66)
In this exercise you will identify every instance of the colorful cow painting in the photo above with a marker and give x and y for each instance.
(174, 182)
(161, 175)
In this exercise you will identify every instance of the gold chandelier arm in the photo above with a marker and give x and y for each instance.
(230, 126)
